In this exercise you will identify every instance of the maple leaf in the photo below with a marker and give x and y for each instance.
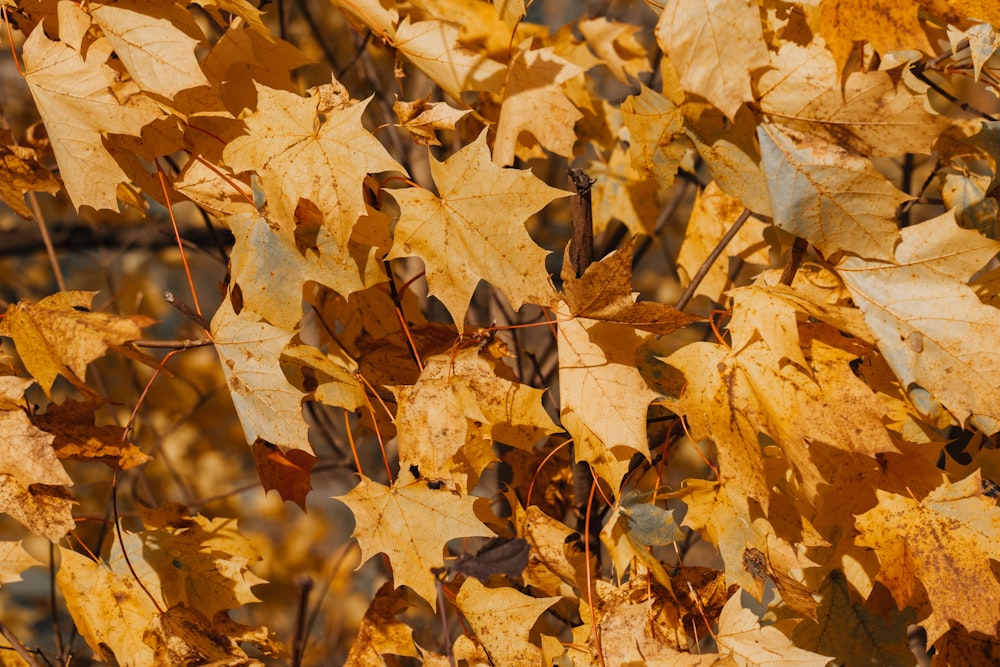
(31, 476)
(873, 113)
(78, 438)
(604, 293)
(895, 27)
(510, 11)
(721, 512)
(534, 104)
(734, 395)
(155, 41)
(243, 57)
(944, 542)
(434, 47)
(330, 378)
(551, 563)
(715, 45)
(619, 194)
(410, 522)
(73, 94)
(422, 118)
(265, 250)
(615, 43)
(59, 335)
(304, 148)
(110, 608)
(851, 632)
(748, 643)
(381, 632)
(183, 635)
(829, 196)
(242, 9)
(603, 398)
(731, 153)
(474, 230)
(501, 619)
(656, 129)
(202, 563)
(23, 173)
(458, 399)
(930, 326)
(287, 474)
(268, 406)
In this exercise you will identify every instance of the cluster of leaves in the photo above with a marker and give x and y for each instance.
(852, 340)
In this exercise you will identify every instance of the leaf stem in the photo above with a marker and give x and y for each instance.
(710, 260)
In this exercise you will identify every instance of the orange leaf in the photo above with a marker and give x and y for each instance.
(943, 543)
(287, 474)
(76, 436)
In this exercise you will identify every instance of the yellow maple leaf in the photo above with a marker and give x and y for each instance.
(944, 543)
(81, 100)
(715, 46)
(732, 396)
(619, 193)
(435, 47)
(931, 327)
(501, 619)
(302, 148)
(748, 643)
(381, 632)
(422, 118)
(269, 407)
(185, 636)
(411, 522)
(872, 113)
(615, 43)
(59, 335)
(603, 398)
(14, 560)
(155, 40)
(474, 230)
(200, 562)
(731, 153)
(271, 270)
(21, 172)
(828, 195)
(895, 27)
(656, 135)
(459, 398)
(533, 103)
(109, 607)
(852, 633)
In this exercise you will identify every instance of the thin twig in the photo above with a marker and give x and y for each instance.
(187, 310)
(16, 644)
(305, 585)
(710, 260)
(56, 630)
(444, 621)
(173, 344)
